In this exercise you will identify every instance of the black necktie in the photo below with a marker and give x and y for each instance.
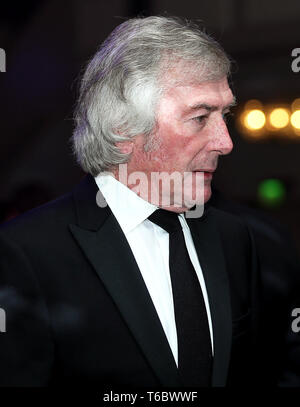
(194, 345)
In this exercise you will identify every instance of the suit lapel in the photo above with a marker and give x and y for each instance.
(210, 253)
(104, 244)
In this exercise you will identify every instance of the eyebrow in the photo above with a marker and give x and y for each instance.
(209, 108)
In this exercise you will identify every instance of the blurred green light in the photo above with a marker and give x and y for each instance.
(271, 192)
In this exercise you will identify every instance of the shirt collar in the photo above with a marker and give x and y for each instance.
(129, 209)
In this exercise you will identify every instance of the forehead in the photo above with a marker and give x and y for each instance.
(185, 99)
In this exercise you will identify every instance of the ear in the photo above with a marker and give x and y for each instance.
(126, 147)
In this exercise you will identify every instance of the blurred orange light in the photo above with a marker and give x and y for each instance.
(253, 104)
(255, 119)
(279, 118)
(296, 104)
(295, 119)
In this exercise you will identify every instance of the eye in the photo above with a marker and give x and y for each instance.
(201, 119)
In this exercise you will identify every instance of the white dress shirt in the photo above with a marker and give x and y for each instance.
(150, 246)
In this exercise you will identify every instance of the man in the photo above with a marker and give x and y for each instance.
(111, 291)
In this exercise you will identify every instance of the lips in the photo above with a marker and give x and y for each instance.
(208, 173)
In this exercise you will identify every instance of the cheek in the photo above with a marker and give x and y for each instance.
(184, 149)
(151, 160)
(176, 149)
(180, 152)
(174, 141)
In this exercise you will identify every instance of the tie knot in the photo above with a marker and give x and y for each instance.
(167, 220)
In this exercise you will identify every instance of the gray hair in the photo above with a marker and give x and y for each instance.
(126, 77)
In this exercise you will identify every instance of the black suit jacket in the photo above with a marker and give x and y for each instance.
(78, 311)
(280, 280)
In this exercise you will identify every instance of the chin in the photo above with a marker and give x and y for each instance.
(205, 196)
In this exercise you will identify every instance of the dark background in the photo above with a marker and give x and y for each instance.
(47, 44)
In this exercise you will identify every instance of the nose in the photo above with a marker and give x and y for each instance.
(221, 140)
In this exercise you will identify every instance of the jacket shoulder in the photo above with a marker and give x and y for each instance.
(53, 214)
(228, 221)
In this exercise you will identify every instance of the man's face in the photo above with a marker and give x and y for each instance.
(192, 134)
